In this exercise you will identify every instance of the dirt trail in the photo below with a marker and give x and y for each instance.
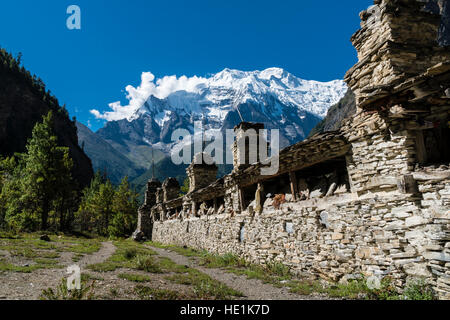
(106, 251)
(29, 286)
(253, 289)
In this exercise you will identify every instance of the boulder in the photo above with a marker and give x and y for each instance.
(139, 236)
(45, 238)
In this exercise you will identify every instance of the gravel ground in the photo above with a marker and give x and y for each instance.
(29, 286)
(110, 286)
(253, 289)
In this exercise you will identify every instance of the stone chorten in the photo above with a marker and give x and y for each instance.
(398, 39)
(247, 144)
(150, 195)
(170, 189)
(145, 223)
(201, 172)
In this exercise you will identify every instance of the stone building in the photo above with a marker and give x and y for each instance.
(371, 198)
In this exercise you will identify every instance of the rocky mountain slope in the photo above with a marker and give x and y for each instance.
(23, 103)
(104, 157)
(345, 108)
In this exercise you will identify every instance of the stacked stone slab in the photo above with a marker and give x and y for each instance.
(397, 40)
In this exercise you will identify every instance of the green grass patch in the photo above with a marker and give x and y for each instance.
(147, 263)
(62, 293)
(49, 262)
(203, 286)
(419, 289)
(77, 257)
(9, 267)
(124, 257)
(221, 261)
(187, 252)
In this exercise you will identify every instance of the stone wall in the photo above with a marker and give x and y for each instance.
(335, 238)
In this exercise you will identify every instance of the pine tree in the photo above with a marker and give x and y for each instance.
(45, 183)
(185, 187)
(124, 206)
(7, 168)
(86, 218)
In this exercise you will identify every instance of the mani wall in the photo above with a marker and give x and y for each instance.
(371, 198)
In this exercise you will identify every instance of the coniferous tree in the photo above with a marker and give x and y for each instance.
(185, 187)
(7, 171)
(86, 218)
(95, 211)
(125, 206)
(42, 185)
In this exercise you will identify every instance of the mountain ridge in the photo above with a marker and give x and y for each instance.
(24, 101)
(273, 96)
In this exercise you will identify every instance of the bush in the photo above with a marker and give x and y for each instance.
(130, 253)
(147, 263)
(418, 290)
(62, 293)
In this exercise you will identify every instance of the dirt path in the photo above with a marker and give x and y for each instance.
(106, 251)
(253, 289)
(29, 286)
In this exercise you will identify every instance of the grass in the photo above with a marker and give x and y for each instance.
(147, 263)
(187, 252)
(419, 289)
(62, 293)
(134, 277)
(125, 256)
(9, 267)
(272, 272)
(44, 261)
(203, 286)
(41, 254)
(221, 261)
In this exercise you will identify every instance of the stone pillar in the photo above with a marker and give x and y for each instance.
(396, 41)
(247, 144)
(145, 217)
(171, 189)
(294, 186)
(216, 208)
(201, 172)
(194, 208)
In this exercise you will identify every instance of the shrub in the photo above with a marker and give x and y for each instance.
(62, 293)
(418, 290)
(147, 263)
(130, 253)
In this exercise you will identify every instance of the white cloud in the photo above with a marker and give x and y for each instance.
(138, 96)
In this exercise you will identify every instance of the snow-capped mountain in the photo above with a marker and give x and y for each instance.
(214, 97)
(273, 96)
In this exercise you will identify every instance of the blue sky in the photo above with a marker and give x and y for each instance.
(90, 68)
